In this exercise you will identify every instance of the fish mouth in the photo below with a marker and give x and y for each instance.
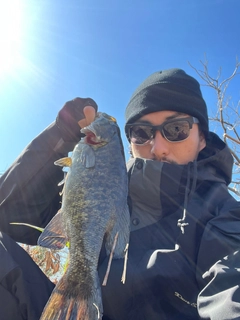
(91, 138)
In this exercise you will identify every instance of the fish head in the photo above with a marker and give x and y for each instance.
(101, 131)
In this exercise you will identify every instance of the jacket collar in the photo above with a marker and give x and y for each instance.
(157, 189)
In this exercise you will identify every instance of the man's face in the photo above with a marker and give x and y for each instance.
(181, 152)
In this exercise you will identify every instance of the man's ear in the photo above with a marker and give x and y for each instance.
(202, 141)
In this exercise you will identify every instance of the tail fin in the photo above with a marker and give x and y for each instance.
(64, 306)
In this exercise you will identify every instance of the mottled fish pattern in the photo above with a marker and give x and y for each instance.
(94, 211)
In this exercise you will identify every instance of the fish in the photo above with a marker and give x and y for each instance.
(94, 213)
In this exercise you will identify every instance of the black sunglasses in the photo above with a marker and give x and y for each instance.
(174, 130)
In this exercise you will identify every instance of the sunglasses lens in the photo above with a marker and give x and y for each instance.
(140, 134)
(176, 131)
(172, 130)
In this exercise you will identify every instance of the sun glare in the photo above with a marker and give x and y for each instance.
(10, 35)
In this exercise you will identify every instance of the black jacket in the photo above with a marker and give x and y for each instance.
(24, 289)
(28, 193)
(29, 188)
(183, 222)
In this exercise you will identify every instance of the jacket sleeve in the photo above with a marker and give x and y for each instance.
(220, 299)
(29, 188)
(24, 288)
(218, 264)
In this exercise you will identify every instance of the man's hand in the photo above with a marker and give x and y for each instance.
(76, 113)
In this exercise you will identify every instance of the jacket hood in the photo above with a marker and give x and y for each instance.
(217, 159)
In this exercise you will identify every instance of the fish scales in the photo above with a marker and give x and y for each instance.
(94, 209)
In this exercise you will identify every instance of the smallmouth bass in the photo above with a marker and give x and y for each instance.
(94, 211)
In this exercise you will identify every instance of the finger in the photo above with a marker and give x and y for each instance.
(89, 113)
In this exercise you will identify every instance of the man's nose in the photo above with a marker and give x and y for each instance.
(160, 146)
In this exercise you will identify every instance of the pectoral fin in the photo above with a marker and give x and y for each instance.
(88, 157)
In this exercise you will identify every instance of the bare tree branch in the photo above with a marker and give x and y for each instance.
(224, 110)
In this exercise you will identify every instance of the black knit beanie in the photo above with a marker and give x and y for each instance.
(172, 90)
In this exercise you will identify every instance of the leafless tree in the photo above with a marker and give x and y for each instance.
(227, 116)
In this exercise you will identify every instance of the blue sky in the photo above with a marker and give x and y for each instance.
(57, 50)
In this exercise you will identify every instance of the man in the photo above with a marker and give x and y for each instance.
(185, 226)
(183, 218)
